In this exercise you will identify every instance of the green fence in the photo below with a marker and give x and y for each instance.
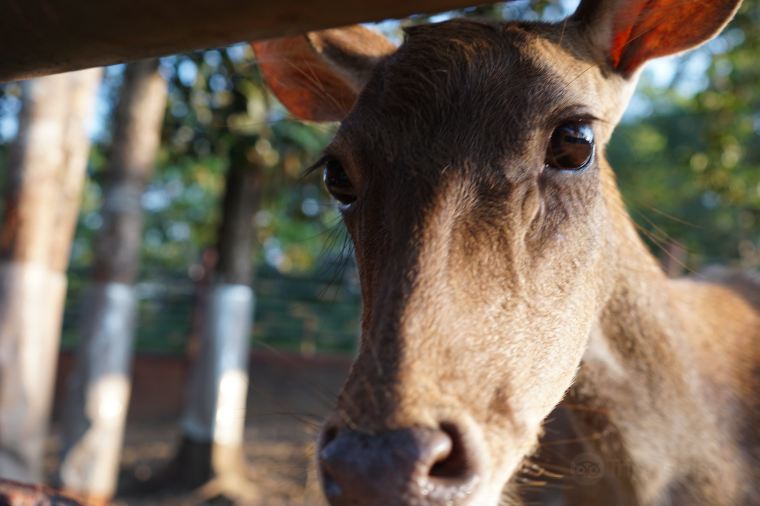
(312, 313)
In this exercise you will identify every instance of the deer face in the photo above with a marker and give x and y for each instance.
(470, 173)
(479, 225)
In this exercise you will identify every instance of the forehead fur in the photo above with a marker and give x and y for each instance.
(458, 88)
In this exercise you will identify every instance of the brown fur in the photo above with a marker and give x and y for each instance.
(491, 285)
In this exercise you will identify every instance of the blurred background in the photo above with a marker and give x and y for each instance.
(687, 157)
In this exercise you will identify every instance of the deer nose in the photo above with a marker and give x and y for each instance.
(419, 466)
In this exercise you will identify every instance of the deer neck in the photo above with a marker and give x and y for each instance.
(640, 373)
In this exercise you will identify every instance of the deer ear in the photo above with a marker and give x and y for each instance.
(631, 32)
(317, 76)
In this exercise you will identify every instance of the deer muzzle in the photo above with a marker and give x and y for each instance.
(411, 466)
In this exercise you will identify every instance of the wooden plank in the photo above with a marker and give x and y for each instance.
(40, 37)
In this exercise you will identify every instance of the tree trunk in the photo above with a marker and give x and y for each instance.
(214, 417)
(46, 172)
(211, 450)
(98, 391)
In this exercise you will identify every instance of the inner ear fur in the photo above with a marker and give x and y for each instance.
(317, 76)
(631, 32)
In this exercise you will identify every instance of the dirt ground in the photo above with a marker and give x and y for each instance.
(288, 398)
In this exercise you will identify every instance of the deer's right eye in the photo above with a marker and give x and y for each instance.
(337, 182)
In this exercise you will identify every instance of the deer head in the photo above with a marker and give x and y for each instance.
(470, 172)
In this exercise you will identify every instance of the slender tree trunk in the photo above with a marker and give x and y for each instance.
(211, 450)
(214, 417)
(98, 392)
(46, 172)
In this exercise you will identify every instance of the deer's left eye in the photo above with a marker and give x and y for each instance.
(571, 146)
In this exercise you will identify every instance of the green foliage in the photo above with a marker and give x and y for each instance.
(217, 102)
(690, 171)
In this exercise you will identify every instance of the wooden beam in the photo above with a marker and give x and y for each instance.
(40, 37)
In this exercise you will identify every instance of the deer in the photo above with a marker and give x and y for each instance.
(503, 281)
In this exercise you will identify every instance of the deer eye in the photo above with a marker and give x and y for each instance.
(337, 182)
(571, 146)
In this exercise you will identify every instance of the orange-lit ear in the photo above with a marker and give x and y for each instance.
(317, 76)
(632, 32)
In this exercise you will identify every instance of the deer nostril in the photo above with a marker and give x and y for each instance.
(330, 484)
(328, 434)
(454, 463)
